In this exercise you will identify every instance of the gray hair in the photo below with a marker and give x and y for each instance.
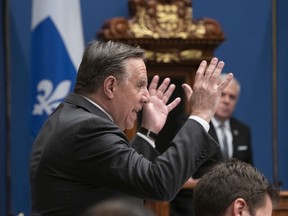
(222, 76)
(102, 59)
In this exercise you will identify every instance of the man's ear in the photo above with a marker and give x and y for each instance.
(240, 207)
(109, 86)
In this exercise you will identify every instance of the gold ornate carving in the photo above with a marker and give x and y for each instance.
(165, 21)
(191, 54)
(165, 57)
(166, 30)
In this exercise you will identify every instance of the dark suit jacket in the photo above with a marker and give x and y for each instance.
(241, 134)
(81, 157)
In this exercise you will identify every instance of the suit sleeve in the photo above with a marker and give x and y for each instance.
(144, 148)
(107, 160)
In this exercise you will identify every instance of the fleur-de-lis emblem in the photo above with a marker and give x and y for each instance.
(48, 98)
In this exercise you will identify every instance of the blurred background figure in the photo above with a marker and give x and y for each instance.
(118, 207)
(233, 135)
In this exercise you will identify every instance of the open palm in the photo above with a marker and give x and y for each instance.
(155, 112)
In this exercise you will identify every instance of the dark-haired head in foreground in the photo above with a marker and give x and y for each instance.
(118, 207)
(234, 188)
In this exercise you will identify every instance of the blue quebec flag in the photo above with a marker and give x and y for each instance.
(57, 48)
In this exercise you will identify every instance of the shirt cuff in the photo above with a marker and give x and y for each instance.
(201, 121)
(149, 140)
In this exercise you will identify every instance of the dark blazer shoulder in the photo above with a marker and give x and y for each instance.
(80, 101)
(234, 122)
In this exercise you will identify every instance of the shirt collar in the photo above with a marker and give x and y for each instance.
(217, 123)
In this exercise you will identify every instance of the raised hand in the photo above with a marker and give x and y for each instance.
(207, 89)
(156, 111)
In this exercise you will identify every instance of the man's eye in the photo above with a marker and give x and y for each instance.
(141, 85)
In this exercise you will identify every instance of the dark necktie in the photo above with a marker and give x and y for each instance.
(224, 149)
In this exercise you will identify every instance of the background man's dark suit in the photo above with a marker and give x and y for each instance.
(241, 134)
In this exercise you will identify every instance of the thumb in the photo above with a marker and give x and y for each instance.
(188, 90)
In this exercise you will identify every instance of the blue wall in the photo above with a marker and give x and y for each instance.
(2, 120)
(247, 52)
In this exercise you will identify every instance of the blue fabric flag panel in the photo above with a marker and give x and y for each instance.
(57, 47)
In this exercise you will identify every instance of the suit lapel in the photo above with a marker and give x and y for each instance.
(235, 135)
(212, 132)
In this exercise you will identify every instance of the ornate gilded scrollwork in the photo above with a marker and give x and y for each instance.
(166, 57)
(166, 30)
(165, 21)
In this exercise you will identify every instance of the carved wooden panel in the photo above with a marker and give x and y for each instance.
(282, 208)
(166, 30)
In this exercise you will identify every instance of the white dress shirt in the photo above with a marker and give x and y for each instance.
(227, 130)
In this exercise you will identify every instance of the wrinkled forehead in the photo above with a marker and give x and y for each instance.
(135, 67)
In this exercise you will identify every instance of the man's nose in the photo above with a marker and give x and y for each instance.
(226, 98)
(146, 96)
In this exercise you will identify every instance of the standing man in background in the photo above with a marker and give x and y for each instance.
(233, 136)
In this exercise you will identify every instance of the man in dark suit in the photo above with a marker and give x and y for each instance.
(82, 156)
(224, 127)
(233, 136)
